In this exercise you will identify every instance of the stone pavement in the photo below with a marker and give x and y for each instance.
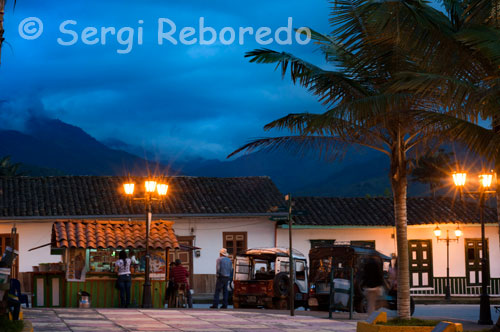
(103, 320)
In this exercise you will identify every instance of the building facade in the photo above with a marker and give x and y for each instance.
(370, 222)
(208, 213)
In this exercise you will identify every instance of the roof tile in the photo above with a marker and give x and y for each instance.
(337, 211)
(112, 234)
(103, 196)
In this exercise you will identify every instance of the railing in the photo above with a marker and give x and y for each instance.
(458, 287)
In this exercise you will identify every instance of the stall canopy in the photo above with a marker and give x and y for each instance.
(112, 234)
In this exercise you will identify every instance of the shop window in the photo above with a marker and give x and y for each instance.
(6, 241)
(420, 263)
(234, 242)
(364, 244)
(321, 243)
(473, 256)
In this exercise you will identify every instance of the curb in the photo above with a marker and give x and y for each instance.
(370, 325)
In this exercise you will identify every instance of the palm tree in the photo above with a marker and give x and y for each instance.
(360, 108)
(465, 95)
(2, 12)
(431, 168)
(7, 168)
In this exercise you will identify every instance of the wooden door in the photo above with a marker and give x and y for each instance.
(186, 256)
(6, 241)
(420, 263)
(473, 260)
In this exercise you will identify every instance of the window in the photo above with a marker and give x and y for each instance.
(234, 242)
(6, 241)
(321, 243)
(300, 270)
(364, 244)
(420, 263)
(473, 255)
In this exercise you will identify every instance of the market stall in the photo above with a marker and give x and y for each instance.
(89, 250)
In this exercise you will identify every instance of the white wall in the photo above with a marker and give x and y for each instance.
(208, 236)
(301, 237)
(32, 235)
(387, 245)
(207, 232)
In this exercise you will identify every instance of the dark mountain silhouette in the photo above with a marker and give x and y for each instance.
(52, 144)
(52, 147)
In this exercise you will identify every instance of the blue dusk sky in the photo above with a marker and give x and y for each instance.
(182, 100)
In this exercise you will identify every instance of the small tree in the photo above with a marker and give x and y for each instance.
(7, 168)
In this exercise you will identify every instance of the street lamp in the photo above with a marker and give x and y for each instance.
(458, 233)
(151, 186)
(485, 180)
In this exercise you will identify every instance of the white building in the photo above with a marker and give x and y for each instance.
(370, 222)
(209, 213)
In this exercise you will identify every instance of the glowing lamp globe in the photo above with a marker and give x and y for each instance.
(128, 188)
(162, 189)
(150, 186)
(485, 180)
(459, 178)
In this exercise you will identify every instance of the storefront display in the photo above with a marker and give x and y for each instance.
(75, 265)
(90, 251)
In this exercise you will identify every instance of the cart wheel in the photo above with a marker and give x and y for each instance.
(281, 284)
(236, 304)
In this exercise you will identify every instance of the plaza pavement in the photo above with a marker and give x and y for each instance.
(103, 320)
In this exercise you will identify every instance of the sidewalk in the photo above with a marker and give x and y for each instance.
(92, 320)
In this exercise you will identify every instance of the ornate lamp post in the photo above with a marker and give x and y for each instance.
(151, 186)
(485, 180)
(458, 233)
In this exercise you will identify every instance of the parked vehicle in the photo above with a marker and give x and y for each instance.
(261, 279)
(345, 257)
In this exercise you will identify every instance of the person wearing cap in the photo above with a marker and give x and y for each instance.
(223, 268)
(180, 276)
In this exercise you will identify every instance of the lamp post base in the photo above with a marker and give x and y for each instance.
(485, 311)
(146, 296)
(447, 293)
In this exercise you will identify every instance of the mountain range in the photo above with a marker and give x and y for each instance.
(51, 147)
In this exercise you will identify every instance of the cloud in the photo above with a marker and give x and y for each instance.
(199, 100)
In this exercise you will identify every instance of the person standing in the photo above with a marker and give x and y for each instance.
(223, 268)
(179, 276)
(122, 267)
(372, 281)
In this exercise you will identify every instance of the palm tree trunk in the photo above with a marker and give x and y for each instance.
(400, 190)
(2, 9)
(399, 184)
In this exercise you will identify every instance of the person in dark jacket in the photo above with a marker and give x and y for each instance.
(224, 269)
(372, 281)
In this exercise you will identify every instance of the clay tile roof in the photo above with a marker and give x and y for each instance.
(336, 211)
(103, 196)
(112, 234)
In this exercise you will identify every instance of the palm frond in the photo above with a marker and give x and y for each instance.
(328, 148)
(328, 86)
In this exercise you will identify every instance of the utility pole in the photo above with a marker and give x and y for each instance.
(290, 252)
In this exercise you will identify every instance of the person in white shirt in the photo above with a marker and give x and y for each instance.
(122, 267)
